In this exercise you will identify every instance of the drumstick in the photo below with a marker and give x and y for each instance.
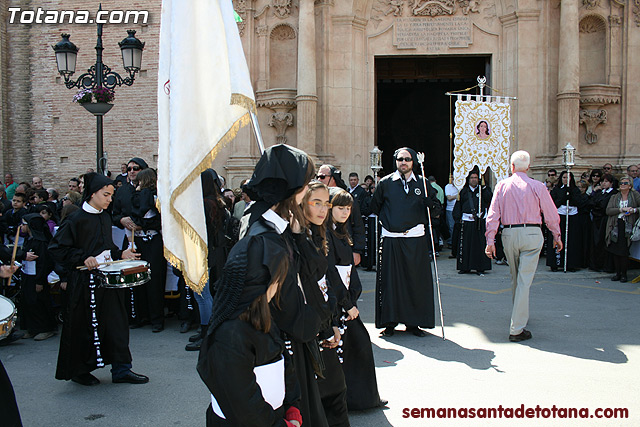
(133, 245)
(83, 267)
(15, 247)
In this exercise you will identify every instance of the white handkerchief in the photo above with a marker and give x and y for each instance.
(105, 256)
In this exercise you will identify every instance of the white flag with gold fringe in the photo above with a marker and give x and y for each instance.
(482, 133)
(204, 97)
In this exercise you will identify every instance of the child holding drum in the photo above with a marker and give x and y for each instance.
(96, 329)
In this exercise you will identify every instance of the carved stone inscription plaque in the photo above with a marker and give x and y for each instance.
(432, 33)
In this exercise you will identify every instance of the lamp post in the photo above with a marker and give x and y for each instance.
(375, 163)
(99, 76)
(568, 158)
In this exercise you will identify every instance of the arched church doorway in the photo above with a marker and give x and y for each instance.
(413, 110)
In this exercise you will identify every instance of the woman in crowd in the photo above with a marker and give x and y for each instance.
(600, 259)
(277, 187)
(216, 216)
(313, 248)
(567, 190)
(595, 181)
(149, 298)
(357, 354)
(622, 212)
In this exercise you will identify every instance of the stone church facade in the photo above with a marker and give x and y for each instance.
(319, 68)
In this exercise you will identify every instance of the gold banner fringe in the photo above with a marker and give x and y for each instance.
(195, 173)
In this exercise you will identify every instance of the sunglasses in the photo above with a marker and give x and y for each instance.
(322, 176)
(318, 204)
(133, 168)
(625, 183)
(607, 167)
(406, 159)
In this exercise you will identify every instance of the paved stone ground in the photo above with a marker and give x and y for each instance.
(585, 353)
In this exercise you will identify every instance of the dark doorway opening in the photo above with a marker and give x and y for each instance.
(412, 108)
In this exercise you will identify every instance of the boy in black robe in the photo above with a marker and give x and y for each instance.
(82, 239)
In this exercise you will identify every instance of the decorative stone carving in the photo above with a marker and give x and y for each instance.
(443, 7)
(395, 7)
(615, 21)
(636, 12)
(591, 4)
(281, 8)
(490, 14)
(592, 24)
(283, 32)
(276, 99)
(591, 119)
(262, 30)
(281, 121)
(596, 96)
(240, 7)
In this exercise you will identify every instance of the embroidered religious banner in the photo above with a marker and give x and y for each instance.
(482, 132)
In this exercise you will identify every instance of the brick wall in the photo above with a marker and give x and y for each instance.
(42, 131)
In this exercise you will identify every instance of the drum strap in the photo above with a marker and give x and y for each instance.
(94, 321)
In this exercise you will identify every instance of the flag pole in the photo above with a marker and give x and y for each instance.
(256, 131)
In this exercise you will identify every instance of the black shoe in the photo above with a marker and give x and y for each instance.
(85, 379)
(13, 336)
(131, 378)
(157, 328)
(479, 272)
(194, 346)
(554, 269)
(195, 337)
(382, 403)
(623, 278)
(463, 271)
(522, 336)
(388, 332)
(416, 331)
(615, 278)
(185, 327)
(452, 256)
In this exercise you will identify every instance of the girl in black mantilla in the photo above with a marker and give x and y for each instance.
(319, 294)
(601, 259)
(358, 364)
(567, 190)
(84, 239)
(243, 360)
(277, 187)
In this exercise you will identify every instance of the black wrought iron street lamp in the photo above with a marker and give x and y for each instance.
(99, 75)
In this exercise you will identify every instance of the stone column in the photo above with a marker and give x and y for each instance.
(307, 97)
(568, 75)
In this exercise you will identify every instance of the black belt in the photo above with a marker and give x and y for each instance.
(521, 225)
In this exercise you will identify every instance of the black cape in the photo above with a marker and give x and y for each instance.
(82, 235)
(577, 228)
(472, 240)
(404, 285)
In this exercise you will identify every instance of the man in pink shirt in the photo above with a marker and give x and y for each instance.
(519, 203)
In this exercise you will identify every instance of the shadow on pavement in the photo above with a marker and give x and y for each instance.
(386, 357)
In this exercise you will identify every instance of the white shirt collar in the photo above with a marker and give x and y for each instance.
(275, 221)
(88, 208)
(396, 176)
(473, 188)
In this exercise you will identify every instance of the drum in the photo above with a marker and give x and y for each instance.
(125, 274)
(7, 316)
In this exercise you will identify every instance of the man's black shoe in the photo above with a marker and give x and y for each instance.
(388, 332)
(85, 379)
(131, 378)
(463, 271)
(615, 278)
(194, 346)
(522, 336)
(416, 331)
(157, 328)
(623, 278)
(185, 327)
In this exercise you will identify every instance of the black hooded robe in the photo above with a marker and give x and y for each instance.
(404, 286)
(472, 241)
(357, 354)
(577, 228)
(82, 235)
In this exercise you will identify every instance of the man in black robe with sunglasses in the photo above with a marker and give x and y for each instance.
(404, 285)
